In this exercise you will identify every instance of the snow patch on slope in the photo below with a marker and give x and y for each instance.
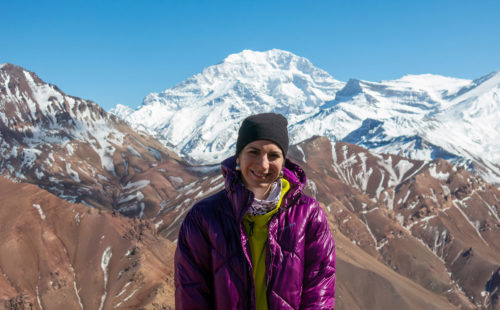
(40, 211)
(106, 257)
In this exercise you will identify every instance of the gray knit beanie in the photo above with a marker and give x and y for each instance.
(265, 126)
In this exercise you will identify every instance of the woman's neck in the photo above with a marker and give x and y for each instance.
(261, 194)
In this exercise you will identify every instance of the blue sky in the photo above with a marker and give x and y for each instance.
(119, 51)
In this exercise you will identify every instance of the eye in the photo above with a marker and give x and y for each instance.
(274, 156)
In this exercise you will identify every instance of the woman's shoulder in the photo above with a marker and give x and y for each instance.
(307, 202)
(209, 205)
(203, 214)
(307, 207)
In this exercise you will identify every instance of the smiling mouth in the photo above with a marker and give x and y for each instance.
(260, 175)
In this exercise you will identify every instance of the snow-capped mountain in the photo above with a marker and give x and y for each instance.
(77, 151)
(419, 116)
(43, 115)
(200, 117)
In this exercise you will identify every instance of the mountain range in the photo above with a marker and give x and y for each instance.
(418, 116)
(90, 207)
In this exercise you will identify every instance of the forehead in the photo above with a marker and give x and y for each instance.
(264, 145)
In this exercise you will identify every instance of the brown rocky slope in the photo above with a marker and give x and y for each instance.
(59, 255)
(413, 239)
(427, 221)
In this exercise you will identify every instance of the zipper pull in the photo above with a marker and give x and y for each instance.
(250, 233)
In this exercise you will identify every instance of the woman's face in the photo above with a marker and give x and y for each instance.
(260, 162)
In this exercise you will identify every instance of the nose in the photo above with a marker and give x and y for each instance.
(264, 162)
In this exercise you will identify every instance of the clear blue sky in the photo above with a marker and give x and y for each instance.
(119, 51)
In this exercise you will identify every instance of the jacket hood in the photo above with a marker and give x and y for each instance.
(241, 198)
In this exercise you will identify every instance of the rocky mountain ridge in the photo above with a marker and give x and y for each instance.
(76, 150)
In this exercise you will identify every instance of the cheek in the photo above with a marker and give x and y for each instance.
(281, 164)
(277, 167)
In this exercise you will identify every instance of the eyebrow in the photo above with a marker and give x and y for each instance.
(270, 152)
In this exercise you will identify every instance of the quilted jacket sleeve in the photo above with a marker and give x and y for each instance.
(318, 290)
(192, 265)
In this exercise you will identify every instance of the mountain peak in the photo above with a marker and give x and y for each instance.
(7, 65)
(350, 89)
(428, 80)
(437, 86)
(270, 60)
(10, 68)
(479, 86)
(491, 78)
(194, 116)
(250, 56)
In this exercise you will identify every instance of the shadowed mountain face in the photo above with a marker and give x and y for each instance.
(410, 234)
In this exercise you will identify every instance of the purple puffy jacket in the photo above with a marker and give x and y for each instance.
(213, 269)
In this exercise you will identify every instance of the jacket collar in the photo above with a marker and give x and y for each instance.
(241, 198)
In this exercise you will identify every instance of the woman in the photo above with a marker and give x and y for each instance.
(260, 243)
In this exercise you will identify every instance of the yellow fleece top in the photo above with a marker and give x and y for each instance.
(256, 228)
